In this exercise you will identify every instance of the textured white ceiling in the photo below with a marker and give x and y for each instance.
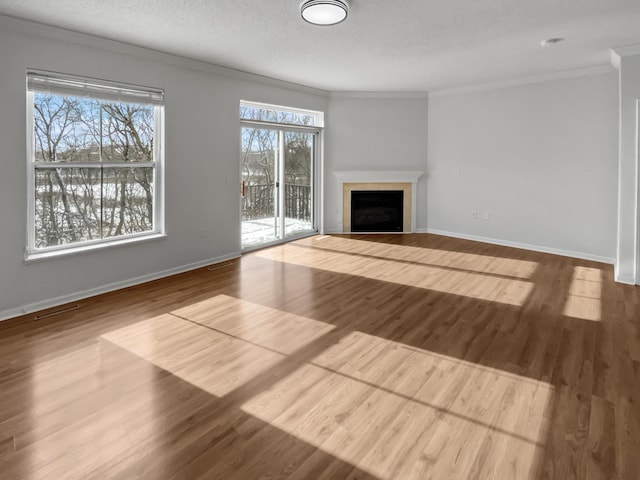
(385, 45)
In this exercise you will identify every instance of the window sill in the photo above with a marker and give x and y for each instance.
(53, 254)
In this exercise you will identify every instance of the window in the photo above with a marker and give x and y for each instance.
(95, 163)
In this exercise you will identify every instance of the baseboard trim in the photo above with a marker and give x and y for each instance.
(628, 280)
(74, 297)
(342, 232)
(524, 246)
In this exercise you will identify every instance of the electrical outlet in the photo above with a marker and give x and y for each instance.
(474, 214)
(486, 215)
(203, 233)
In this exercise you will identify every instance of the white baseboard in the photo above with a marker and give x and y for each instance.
(74, 297)
(627, 279)
(341, 232)
(524, 246)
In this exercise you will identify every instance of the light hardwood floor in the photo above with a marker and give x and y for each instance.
(356, 357)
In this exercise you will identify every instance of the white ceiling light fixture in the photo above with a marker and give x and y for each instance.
(324, 12)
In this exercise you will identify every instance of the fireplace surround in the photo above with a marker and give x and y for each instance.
(370, 180)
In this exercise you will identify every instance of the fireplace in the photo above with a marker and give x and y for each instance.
(405, 181)
(377, 210)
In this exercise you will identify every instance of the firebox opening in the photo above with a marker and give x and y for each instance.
(377, 210)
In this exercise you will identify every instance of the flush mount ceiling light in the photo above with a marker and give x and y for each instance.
(324, 12)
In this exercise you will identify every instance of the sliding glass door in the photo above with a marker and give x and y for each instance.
(277, 184)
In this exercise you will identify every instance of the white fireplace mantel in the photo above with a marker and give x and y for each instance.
(381, 176)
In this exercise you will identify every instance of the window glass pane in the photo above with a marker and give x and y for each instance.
(127, 132)
(67, 206)
(297, 175)
(277, 116)
(260, 151)
(66, 129)
(127, 205)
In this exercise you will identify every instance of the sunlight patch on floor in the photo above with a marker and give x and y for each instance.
(585, 294)
(389, 409)
(428, 256)
(462, 283)
(219, 344)
(280, 331)
(210, 360)
(397, 412)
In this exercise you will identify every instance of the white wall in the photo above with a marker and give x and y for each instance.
(374, 132)
(541, 159)
(628, 260)
(202, 149)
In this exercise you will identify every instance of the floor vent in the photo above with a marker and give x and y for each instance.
(56, 312)
(219, 266)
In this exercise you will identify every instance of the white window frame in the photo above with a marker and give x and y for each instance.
(71, 85)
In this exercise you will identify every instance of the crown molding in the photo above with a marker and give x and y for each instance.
(627, 50)
(102, 43)
(381, 95)
(616, 60)
(547, 77)
(616, 54)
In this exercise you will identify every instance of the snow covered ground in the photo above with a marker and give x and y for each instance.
(256, 232)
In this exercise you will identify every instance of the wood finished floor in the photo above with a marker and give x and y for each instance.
(355, 357)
